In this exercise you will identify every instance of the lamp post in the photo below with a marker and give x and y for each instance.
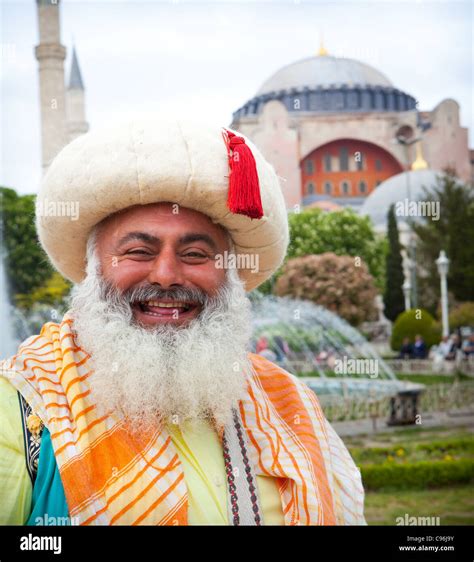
(443, 267)
(406, 142)
(406, 287)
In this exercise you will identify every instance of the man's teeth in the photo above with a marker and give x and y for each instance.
(166, 304)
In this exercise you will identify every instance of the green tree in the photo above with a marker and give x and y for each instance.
(461, 315)
(393, 296)
(344, 233)
(26, 264)
(454, 233)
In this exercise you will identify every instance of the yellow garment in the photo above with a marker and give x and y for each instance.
(198, 448)
(200, 453)
(15, 484)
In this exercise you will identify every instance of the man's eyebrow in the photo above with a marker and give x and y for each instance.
(198, 237)
(185, 239)
(142, 236)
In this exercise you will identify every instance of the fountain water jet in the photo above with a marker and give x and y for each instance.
(317, 342)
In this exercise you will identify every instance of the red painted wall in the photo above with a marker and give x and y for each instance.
(371, 152)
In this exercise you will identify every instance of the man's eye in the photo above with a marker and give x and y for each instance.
(138, 253)
(195, 255)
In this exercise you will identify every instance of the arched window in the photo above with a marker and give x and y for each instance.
(310, 189)
(352, 100)
(345, 188)
(378, 164)
(360, 162)
(343, 159)
(327, 188)
(327, 162)
(379, 104)
(338, 100)
(362, 187)
(309, 167)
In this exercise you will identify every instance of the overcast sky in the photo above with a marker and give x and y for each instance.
(206, 59)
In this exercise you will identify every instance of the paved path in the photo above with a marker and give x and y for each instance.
(431, 419)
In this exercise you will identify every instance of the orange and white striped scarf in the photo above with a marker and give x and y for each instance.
(110, 477)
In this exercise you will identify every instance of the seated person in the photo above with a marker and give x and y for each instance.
(406, 351)
(419, 348)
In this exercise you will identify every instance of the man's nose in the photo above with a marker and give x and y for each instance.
(166, 269)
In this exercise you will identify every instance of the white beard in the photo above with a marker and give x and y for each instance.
(168, 374)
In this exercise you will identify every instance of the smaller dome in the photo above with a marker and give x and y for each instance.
(395, 189)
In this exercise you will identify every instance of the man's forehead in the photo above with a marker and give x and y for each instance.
(159, 216)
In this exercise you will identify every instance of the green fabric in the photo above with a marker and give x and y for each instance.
(15, 482)
(49, 505)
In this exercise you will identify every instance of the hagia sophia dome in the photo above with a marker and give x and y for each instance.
(325, 72)
(330, 84)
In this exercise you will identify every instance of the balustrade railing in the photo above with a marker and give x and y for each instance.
(448, 398)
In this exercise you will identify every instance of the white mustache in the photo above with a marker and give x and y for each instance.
(151, 292)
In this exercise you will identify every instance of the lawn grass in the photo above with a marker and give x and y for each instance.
(433, 379)
(453, 505)
(409, 435)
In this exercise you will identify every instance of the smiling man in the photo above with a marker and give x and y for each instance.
(144, 405)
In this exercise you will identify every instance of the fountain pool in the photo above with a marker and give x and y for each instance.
(331, 356)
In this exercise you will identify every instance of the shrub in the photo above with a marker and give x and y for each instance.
(52, 293)
(339, 283)
(419, 475)
(460, 445)
(412, 322)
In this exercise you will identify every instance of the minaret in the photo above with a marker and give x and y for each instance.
(75, 103)
(50, 55)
